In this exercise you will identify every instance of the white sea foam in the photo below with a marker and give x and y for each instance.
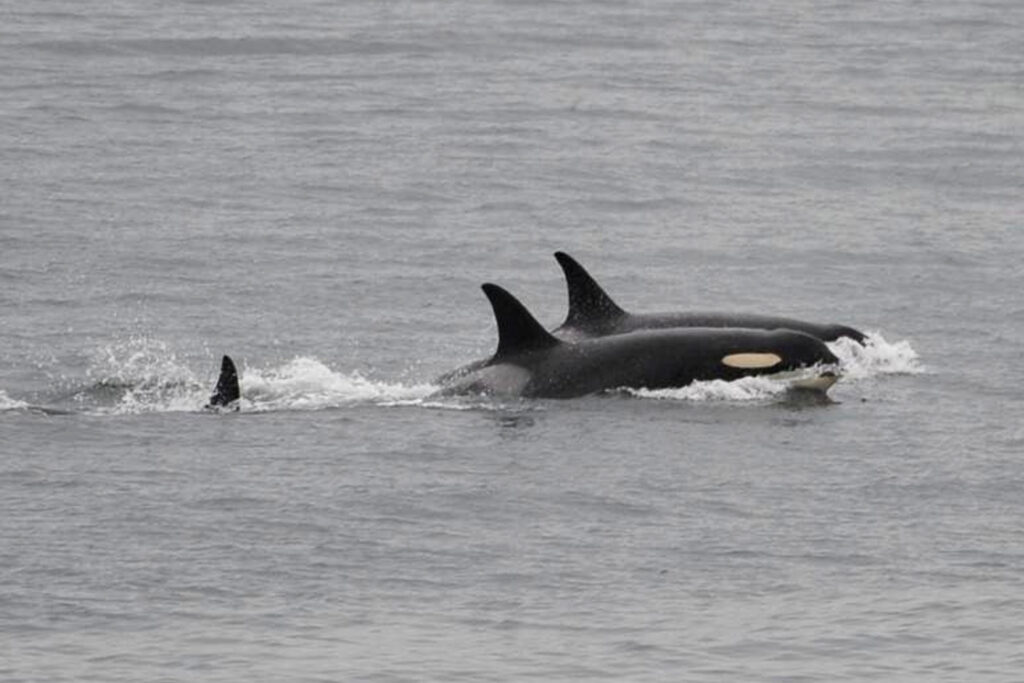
(140, 375)
(143, 375)
(744, 389)
(876, 357)
(8, 403)
(307, 384)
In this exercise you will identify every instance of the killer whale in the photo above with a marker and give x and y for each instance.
(592, 313)
(531, 362)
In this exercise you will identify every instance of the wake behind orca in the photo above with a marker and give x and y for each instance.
(107, 395)
(531, 362)
(592, 313)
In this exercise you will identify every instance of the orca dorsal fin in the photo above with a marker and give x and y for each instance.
(518, 330)
(589, 304)
(227, 390)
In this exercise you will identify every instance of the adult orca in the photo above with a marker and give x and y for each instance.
(227, 392)
(592, 313)
(532, 362)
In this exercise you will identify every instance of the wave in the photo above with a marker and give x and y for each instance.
(307, 384)
(7, 403)
(301, 384)
(743, 389)
(876, 357)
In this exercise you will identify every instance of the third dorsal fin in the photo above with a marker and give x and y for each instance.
(227, 391)
(588, 303)
(518, 330)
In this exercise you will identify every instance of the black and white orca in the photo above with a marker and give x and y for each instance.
(532, 362)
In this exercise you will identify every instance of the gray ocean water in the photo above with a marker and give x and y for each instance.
(319, 189)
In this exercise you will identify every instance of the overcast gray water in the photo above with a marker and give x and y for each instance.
(319, 189)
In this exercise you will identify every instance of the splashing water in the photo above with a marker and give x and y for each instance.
(743, 389)
(876, 357)
(139, 375)
(8, 403)
(142, 375)
(308, 384)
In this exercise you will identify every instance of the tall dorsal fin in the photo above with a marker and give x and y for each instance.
(588, 303)
(227, 390)
(518, 330)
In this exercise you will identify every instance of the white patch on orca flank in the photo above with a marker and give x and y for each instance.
(501, 379)
(751, 361)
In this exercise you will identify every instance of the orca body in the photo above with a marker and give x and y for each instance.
(592, 313)
(227, 392)
(531, 362)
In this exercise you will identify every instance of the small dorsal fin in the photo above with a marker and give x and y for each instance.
(588, 303)
(518, 330)
(227, 390)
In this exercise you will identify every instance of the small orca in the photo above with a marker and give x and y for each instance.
(592, 313)
(227, 393)
(532, 362)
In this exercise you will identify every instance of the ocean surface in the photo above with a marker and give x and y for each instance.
(319, 188)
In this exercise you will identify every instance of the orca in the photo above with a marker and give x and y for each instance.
(227, 393)
(531, 362)
(592, 313)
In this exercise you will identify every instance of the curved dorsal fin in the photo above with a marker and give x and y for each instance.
(518, 330)
(588, 303)
(227, 389)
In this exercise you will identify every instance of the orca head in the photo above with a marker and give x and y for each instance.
(780, 353)
(795, 351)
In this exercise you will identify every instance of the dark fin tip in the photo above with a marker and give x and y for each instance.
(588, 303)
(518, 330)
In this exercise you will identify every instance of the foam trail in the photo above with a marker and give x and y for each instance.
(740, 390)
(308, 384)
(8, 403)
(144, 375)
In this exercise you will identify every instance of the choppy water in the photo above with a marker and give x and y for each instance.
(320, 188)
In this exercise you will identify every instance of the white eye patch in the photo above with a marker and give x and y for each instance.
(751, 361)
